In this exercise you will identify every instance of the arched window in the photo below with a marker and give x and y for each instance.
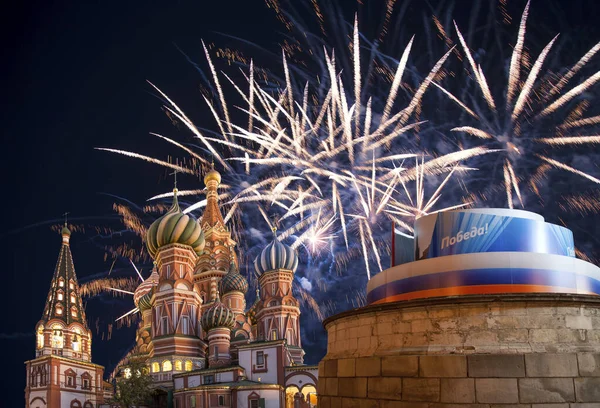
(155, 367)
(61, 282)
(221, 400)
(40, 337)
(73, 311)
(272, 289)
(86, 381)
(71, 380)
(59, 309)
(88, 404)
(167, 366)
(178, 365)
(75, 404)
(59, 295)
(44, 376)
(57, 340)
(310, 394)
(72, 298)
(71, 284)
(188, 365)
(76, 343)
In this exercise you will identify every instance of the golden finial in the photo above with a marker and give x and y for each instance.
(212, 175)
(174, 174)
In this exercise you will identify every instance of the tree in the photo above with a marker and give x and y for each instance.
(134, 386)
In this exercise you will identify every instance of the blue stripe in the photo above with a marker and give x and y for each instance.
(486, 276)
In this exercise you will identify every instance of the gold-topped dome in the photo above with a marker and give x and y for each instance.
(212, 175)
(175, 227)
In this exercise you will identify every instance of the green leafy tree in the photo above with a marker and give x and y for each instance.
(134, 387)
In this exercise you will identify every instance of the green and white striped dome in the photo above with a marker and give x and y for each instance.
(217, 315)
(175, 227)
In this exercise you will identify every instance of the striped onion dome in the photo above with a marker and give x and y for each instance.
(175, 227)
(217, 315)
(275, 256)
(143, 293)
(233, 281)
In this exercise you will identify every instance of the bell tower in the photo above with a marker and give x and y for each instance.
(62, 371)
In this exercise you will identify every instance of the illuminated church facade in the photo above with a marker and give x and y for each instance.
(62, 374)
(202, 343)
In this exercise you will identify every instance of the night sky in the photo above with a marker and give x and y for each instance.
(74, 78)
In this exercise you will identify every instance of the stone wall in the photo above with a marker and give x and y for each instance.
(535, 351)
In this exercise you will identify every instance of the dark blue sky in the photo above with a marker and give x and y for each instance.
(73, 78)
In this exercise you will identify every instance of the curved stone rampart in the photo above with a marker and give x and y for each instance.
(469, 351)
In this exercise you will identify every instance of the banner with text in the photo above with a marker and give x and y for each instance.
(464, 232)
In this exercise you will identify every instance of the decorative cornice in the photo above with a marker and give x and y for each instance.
(66, 359)
(257, 344)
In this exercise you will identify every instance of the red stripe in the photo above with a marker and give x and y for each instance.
(479, 290)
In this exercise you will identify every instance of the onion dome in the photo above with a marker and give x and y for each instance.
(233, 281)
(143, 293)
(276, 255)
(65, 230)
(212, 175)
(217, 315)
(175, 227)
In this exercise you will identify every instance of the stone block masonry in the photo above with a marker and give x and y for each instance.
(472, 353)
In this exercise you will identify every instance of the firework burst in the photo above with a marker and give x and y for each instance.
(529, 118)
(329, 165)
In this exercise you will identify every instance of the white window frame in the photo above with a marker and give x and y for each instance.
(262, 356)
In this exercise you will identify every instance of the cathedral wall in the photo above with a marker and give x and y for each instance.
(300, 379)
(272, 397)
(268, 372)
(78, 372)
(66, 397)
(40, 395)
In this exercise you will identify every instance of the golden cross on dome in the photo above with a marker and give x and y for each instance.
(175, 176)
(275, 222)
(65, 215)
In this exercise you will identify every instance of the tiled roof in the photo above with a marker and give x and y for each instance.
(64, 300)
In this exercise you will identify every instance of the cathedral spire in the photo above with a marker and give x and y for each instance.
(64, 300)
(212, 215)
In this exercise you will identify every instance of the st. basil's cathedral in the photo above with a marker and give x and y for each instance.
(203, 345)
